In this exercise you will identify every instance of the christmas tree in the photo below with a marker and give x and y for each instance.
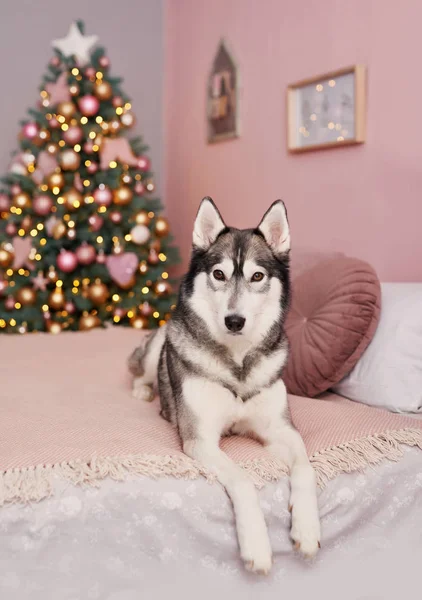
(82, 241)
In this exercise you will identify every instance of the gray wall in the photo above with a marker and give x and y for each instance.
(131, 32)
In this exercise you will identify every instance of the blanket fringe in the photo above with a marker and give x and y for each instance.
(32, 484)
(359, 453)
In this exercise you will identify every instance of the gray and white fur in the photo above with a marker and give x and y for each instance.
(218, 364)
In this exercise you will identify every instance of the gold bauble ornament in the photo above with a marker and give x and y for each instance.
(69, 160)
(52, 275)
(127, 119)
(114, 126)
(143, 268)
(162, 288)
(98, 293)
(72, 199)
(56, 299)
(142, 218)
(103, 90)
(74, 89)
(26, 296)
(55, 180)
(126, 178)
(66, 109)
(139, 322)
(6, 257)
(21, 200)
(53, 327)
(59, 230)
(26, 223)
(52, 148)
(43, 136)
(87, 322)
(122, 195)
(162, 227)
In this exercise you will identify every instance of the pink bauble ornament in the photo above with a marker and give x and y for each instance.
(117, 101)
(146, 309)
(92, 168)
(3, 286)
(53, 123)
(101, 258)
(119, 312)
(42, 205)
(11, 229)
(86, 254)
(70, 307)
(47, 315)
(139, 188)
(89, 147)
(15, 189)
(144, 164)
(104, 62)
(67, 261)
(95, 222)
(4, 202)
(73, 135)
(103, 195)
(115, 217)
(55, 61)
(89, 105)
(9, 303)
(30, 130)
(90, 72)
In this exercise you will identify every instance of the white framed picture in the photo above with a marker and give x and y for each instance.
(327, 111)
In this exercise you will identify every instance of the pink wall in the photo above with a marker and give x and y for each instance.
(364, 200)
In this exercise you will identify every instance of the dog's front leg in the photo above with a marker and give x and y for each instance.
(270, 421)
(201, 424)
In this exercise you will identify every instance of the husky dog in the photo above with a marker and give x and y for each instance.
(219, 362)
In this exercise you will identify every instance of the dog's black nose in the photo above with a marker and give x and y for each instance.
(234, 323)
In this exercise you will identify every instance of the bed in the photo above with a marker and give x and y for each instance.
(159, 538)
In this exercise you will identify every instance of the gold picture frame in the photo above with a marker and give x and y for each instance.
(223, 96)
(327, 111)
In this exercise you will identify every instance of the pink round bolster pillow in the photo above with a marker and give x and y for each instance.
(333, 317)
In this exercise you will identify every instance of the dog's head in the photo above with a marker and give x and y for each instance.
(238, 280)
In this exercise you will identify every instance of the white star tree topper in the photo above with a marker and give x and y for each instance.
(76, 44)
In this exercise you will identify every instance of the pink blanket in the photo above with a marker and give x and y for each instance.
(66, 410)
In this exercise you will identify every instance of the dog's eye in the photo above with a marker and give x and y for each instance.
(219, 275)
(258, 276)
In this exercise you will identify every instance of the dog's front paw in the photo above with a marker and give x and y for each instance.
(257, 554)
(142, 392)
(306, 529)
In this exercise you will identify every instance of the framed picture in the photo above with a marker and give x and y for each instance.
(223, 97)
(327, 111)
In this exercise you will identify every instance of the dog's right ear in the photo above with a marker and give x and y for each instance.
(208, 225)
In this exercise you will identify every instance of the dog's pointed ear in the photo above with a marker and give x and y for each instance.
(208, 225)
(275, 228)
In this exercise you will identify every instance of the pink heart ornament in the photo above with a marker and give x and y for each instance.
(122, 267)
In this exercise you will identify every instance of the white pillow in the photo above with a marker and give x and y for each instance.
(389, 372)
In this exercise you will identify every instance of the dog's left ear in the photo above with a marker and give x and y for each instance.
(275, 228)
(208, 224)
